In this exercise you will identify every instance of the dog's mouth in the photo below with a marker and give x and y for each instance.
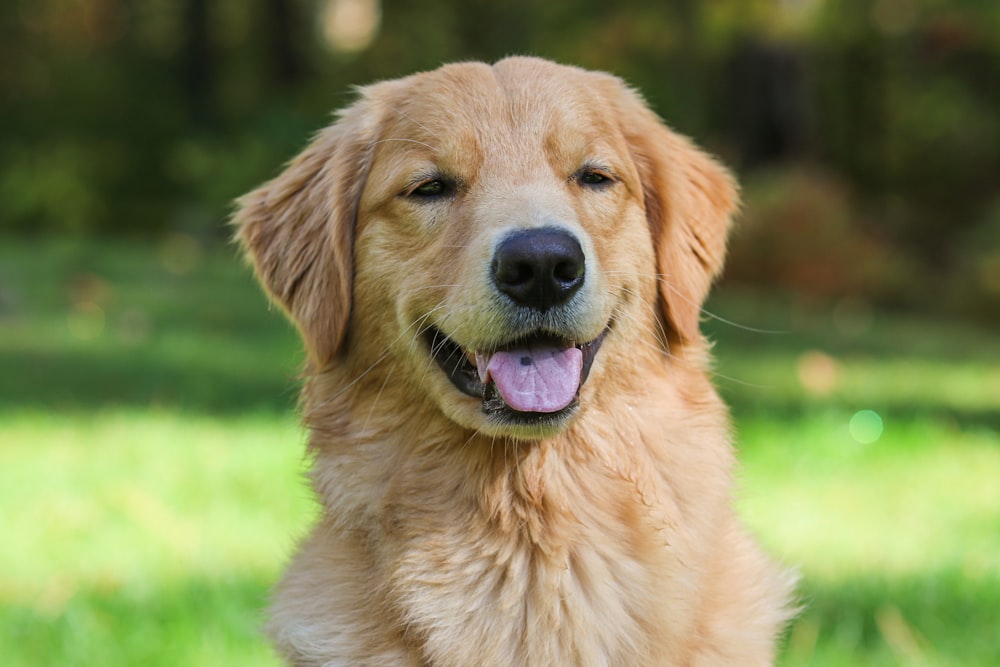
(531, 379)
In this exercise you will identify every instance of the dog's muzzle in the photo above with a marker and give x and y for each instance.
(536, 375)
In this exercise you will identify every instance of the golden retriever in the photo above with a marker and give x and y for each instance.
(497, 273)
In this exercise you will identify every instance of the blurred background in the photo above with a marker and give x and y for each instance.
(149, 455)
(868, 131)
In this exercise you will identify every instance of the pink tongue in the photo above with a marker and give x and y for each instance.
(538, 378)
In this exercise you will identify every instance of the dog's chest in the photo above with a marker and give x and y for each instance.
(579, 608)
(575, 594)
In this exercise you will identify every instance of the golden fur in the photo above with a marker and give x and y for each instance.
(604, 536)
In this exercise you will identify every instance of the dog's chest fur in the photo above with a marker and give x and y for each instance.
(612, 544)
(534, 567)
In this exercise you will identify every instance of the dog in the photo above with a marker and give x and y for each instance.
(497, 273)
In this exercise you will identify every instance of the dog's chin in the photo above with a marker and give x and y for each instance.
(476, 399)
(468, 414)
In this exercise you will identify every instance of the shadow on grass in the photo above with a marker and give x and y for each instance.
(86, 380)
(87, 324)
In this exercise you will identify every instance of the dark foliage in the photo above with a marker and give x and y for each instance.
(140, 117)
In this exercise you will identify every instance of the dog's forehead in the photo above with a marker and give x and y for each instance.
(513, 106)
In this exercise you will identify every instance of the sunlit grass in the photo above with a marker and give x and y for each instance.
(141, 532)
(896, 539)
(922, 497)
(151, 487)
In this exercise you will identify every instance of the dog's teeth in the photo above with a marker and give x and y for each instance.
(482, 365)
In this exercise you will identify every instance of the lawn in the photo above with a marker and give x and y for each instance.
(151, 487)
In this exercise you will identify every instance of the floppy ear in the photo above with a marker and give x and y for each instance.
(298, 230)
(690, 200)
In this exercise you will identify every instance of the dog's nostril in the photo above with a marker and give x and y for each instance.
(512, 272)
(568, 271)
(539, 268)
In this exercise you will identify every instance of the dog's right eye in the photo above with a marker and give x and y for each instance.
(429, 189)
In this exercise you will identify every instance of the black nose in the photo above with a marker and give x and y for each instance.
(539, 268)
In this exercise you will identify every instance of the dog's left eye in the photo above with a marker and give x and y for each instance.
(594, 177)
(429, 189)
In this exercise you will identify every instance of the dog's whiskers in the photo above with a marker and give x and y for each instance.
(660, 334)
(438, 286)
(378, 396)
(429, 362)
(665, 280)
(382, 357)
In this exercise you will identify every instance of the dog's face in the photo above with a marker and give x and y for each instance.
(494, 237)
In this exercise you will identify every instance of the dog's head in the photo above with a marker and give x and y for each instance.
(492, 236)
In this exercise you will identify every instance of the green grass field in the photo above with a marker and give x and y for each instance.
(150, 463)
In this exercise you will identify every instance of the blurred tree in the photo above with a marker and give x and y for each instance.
(283, 27)
(767, 103)
(198, 59)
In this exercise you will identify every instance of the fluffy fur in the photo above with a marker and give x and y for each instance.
(604, 536)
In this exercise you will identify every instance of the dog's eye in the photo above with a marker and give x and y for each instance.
(594, 177)
(430, 189)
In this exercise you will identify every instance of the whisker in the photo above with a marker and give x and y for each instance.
(634, 320)
(743, 327)
(664, 279)
(429, 361)
(438, 286)
(378, 397)
(382, 357)
(742, 383)
(653, 327)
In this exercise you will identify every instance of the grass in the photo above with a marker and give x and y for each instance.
(144, 536)
(150, 463)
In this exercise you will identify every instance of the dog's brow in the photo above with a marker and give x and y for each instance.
(413, 120)
(411, 141)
